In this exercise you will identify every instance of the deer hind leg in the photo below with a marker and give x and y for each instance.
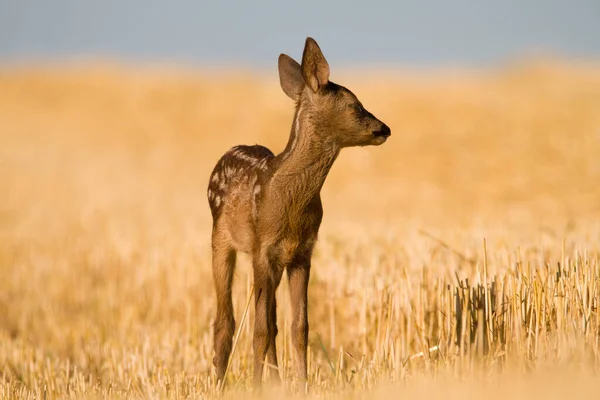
(224, 257)
(267, 276)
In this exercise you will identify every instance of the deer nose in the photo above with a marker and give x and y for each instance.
(384, 131)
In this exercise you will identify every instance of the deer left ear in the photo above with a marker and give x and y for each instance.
(290, 77)
(315, 68)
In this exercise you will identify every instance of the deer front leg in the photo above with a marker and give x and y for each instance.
(298, 275)
(267, 275)
(272, 351)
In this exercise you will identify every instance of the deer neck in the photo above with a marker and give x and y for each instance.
(302, 167)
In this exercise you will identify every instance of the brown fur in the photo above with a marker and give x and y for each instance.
(270, 206)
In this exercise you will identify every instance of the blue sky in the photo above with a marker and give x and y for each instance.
(418, 33)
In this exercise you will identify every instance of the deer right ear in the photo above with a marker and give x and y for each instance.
(290, 77)
(315, 68)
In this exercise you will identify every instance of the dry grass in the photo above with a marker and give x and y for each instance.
(105, 278)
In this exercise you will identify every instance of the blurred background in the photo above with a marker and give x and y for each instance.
(113, 114)
(493, 104)
(490, 98)
(430, 34)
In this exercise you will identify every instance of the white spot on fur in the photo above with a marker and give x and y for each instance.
(298, 114)
(242, 154)
(215, 177)
(296, 127)
(262, 164)
(245, 157)
(255, 193)
(217, 201)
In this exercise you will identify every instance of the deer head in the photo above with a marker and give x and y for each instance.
(334, 111)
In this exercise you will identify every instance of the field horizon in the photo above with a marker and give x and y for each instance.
(460, 258)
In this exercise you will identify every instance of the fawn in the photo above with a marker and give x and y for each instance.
(270, 206)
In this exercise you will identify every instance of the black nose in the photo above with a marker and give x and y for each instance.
(384, 131)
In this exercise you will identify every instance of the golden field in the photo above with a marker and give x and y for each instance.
(459, 259)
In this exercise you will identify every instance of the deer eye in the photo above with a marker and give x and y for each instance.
(358, 108)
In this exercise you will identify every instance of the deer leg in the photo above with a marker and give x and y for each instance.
(224, 325)
(267, 276)
(298, 275)
(272, 351)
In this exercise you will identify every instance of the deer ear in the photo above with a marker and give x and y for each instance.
(290, 76)
(315, 68)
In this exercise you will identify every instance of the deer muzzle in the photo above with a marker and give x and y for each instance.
(383, 132)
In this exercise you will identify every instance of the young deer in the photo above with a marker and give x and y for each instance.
(270, 206)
